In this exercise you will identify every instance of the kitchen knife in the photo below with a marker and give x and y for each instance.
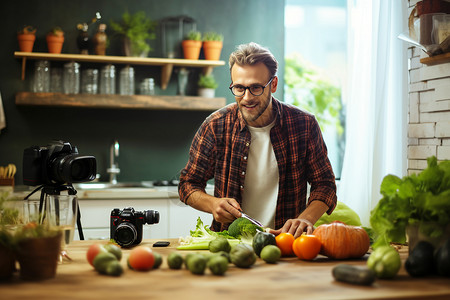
(256, 222)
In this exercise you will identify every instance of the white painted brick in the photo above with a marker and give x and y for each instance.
(421, 130)
(435, 106)
(436, 142)
(426, 97)
(436, 71)
(414, 75)
(414, 63)
(417, 164)
(413, 141)
(443, 152)
(414, 108)
(434, 117)
(421, 152)
(443, 129)
(445, 142)
(433, 84)
(442, 92)
(418, 87)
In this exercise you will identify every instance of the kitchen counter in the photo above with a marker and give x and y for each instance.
(290, 278)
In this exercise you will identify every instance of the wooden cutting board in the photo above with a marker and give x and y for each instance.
(290, 278)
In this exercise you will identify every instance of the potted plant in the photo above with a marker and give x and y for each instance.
(212, 45)
(55, 40)
(26, 37)
(192, 45)
(136, 30)
(207, 85)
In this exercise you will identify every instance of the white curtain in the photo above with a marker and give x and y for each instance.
(376, 115)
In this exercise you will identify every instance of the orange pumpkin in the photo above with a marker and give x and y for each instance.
(341, 241)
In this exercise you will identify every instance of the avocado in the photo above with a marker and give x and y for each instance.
(420, 261)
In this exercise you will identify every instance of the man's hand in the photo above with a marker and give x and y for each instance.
(296, 227)
(226, 210)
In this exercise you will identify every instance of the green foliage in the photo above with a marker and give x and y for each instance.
(8, 215)
(244, 230)
(207, 82)
(312, 91)
(415, 199)
(200, 238)
(341, 213)
(212, 36)
(138, 28)
(194, 35)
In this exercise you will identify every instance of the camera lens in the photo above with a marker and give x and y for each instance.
(73, 168)
(151, 216)
(125, 234)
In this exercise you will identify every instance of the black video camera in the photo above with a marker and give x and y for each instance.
(127, 225)
(57, 163)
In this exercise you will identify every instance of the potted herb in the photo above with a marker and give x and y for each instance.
(212, 45)
(415, 206)
(192, 44)
(55, 40)
(26, 37)
(207, 85)
(136, 30)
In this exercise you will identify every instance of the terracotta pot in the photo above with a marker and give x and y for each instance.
(38, 257)
(212, 49)
(54, 43)
(7, 262)
(191, 49)
(26, 42)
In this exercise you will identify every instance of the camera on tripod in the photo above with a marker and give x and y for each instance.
(127, 225)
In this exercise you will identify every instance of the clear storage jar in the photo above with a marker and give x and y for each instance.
(41, 80)
(127, 81)
(71, 78)
(147, 86)
(89, 81)
(108, 80)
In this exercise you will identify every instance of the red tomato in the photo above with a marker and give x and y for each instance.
(306, 246)
(284, 242)
(141, 258)
(92, 252)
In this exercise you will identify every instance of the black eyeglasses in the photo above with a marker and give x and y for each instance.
(255, 90)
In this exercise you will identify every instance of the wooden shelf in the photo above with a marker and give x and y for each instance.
(166, 64)
(437, 59)
(119, 101)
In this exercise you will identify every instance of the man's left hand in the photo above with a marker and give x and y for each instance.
(296, 227)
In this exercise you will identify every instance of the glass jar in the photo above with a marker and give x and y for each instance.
(56, 76)
(108, 80)
(71, 78)
(127, 81)
(41, 81)
(89, 79)
(147, 86)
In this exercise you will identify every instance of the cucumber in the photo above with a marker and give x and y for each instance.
(353, 274)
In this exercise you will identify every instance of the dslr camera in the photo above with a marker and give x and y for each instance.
(126, 225)
(56, 164)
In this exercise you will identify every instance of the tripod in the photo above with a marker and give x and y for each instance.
(56, 190)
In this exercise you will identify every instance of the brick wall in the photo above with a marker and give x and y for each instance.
(429, 111)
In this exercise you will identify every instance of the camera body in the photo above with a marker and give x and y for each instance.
(57, 163)
(126, 225)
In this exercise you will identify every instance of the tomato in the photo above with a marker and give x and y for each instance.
(306, 246)
(284, 242)
(141, 258)
(92, 252)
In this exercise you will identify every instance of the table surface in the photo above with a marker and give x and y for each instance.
(290, 278)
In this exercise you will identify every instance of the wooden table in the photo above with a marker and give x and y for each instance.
(290, 278)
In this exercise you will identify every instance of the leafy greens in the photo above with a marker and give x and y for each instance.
(422, 199)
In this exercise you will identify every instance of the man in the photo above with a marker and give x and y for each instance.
(261, 153)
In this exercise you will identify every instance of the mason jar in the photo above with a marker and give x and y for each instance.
(127, 81)
(108, 80)
(89, 79)
(147, 86)
(71, 78)
(41, 80)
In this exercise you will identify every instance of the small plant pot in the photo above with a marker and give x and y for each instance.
(38, 257)
(55, 43)
(26, 42)
(212, 49)
(191, 49)
(206, 93)
(7, 263)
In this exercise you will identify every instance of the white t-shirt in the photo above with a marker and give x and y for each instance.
(259, 197)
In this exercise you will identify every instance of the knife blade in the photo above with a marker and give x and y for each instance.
(256, 222)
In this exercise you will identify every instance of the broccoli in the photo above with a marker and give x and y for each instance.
(243, 229)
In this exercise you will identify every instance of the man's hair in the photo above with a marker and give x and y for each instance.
(251, 54)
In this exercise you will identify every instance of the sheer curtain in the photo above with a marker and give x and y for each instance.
(376, 115)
